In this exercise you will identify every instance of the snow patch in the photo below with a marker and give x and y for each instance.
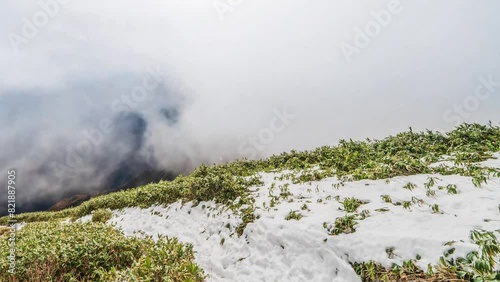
(275, 249)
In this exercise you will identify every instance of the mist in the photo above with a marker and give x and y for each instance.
(102, 91)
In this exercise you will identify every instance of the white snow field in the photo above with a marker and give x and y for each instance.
(275, 249)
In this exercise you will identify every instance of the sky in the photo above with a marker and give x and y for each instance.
(91, 90)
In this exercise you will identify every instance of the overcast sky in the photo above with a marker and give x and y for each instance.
(229, 68)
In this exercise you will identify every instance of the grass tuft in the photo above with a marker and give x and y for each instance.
(101, 215)
(52, 251)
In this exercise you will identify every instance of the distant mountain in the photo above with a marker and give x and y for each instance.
(70, 202)
(143, 178)
(417, 206)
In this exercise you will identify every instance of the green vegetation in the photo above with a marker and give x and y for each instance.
(429, 192)
(55, 253)
(101, 215)
(364, 214)
(372, 271)
(310, 175)
(346, 224)
(390, 252)
(51, 251)
(435, 208)
(476, 266)
(386, 198)
(204, 184)
(407, 204)
(294, 215)
(351, 204)
(410, 186)
(407, 153)
(4, 230)
(452, 189)
(431, 181)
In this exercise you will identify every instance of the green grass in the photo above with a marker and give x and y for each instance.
(476, 266)
(410, 186)
(372, 271)
(293, 215)
(204, 184)
(343, 225)
(101, 215)
(386, 198)
(51, 251)
(351, 204)
(406, 153)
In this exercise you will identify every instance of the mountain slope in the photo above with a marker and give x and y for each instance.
(303, 248)
(403, 208)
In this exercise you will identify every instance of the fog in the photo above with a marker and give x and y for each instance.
(93, 91)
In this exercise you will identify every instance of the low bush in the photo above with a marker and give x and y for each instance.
(406, 153)
(53, 251)
(101, 215)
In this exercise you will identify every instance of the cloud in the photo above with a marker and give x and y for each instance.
(221, 81)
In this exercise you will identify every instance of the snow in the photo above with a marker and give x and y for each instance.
(275, 249)
(494, 162)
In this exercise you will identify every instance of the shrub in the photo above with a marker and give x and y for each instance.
(4, 230)
(352, 204)
(344, 224)
(293, 215)
(52, 251)
(410, 186)
(406, 153)
(476, 266)
(101, 215)
(371, 271)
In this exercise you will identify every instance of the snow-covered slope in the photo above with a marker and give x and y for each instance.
(402, 224)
